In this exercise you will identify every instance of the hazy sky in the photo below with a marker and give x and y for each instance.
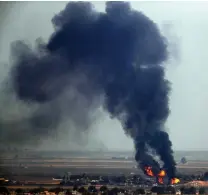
(188, 122)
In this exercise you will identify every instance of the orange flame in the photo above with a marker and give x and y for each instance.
(162, 173)
(149, 171)
(175, 181)
(160, 180)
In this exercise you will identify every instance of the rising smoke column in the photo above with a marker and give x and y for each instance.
(122, 54)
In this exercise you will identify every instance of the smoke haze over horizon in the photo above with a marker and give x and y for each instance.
(176, 97)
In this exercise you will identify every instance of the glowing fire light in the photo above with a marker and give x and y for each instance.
(162, 173)
(175, 181)
(160, 180)
(149, 171)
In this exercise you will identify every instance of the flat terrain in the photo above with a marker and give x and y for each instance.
(33, 166)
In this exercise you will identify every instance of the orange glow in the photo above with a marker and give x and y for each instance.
(162, 173)
(160, 180)
(149, 171)
(175, 181)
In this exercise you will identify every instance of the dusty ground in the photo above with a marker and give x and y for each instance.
(42, 166)
(45, 169)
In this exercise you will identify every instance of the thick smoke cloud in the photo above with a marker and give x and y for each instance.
(116, 58)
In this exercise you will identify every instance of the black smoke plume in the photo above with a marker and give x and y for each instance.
(121, 54)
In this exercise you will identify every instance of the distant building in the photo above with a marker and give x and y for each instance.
(198, 183)
(121, 158)
(57, 179)
(183, 160)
